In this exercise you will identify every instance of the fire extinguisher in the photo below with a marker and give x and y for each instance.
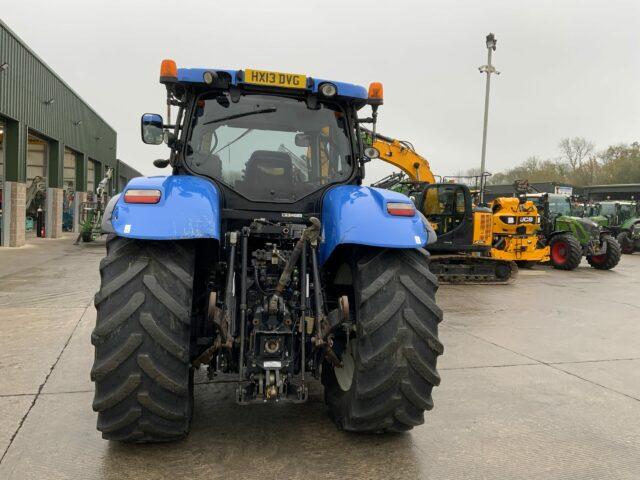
(40, 222)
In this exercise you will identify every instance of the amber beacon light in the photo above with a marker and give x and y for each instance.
(168, 71)
(376, 93)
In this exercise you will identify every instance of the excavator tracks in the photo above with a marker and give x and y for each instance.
(467, 269)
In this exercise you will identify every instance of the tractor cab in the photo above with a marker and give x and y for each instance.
(614, 213)
(270, 141)
(551, 207)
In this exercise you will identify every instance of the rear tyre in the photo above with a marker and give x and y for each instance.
(389, 368)
(566, 252)
(626, 244)
(610, 258)
(143, 380)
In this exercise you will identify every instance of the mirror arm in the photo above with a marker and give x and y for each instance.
(374, 117)
(177, 144)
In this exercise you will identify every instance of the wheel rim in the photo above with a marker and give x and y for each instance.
(559, 252)
(344, 374)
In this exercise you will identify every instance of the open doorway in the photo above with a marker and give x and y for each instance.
(69, 190)
(36, 197)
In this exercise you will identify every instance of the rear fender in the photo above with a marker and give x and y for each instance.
(630, 223)
(357, 215)
(189, 208)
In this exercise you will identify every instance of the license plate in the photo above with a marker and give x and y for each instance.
(274, 79)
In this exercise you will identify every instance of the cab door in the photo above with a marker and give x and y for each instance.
(448, 208)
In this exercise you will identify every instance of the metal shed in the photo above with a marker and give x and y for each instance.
(621, 191)
(49, 140)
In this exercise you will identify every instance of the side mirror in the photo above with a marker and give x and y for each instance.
(302, 140)
(151, 128)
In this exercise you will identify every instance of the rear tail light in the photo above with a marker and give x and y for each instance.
(401, 209)
(142, 196)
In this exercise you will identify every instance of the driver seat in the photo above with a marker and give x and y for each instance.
(268, 171)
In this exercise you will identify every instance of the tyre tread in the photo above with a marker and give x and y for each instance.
(614, 252)
(575, 251)
(142, 334)
(397, 345)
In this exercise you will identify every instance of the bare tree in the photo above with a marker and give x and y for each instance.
(531, 164)
(575, 150)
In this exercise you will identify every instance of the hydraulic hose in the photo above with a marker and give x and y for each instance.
(310, 234)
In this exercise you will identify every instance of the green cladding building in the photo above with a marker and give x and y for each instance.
(54, 148)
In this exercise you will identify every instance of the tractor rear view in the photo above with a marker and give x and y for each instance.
(262, 260)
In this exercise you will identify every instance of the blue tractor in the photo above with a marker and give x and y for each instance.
(263, 260)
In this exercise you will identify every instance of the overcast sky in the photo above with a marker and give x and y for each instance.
(569, 68)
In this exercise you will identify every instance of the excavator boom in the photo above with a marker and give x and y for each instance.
(401, 154)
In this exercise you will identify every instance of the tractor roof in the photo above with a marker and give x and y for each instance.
(621, 202)
(235, 77)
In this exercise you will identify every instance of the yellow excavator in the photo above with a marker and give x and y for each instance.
(475, 244)
(462, 252)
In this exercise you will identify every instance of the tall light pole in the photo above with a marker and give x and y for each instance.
(488, 69)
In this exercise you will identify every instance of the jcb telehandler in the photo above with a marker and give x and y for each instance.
(262, 258)
(516, 224)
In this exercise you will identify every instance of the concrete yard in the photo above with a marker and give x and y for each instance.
(540, 380)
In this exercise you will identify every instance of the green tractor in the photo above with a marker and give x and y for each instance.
(622, 218)
(570, 238)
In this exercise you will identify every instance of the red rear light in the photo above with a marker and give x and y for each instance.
(401, 209)
(142, 196)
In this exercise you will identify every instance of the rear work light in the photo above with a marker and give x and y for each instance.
(401, 209)
(142, 196)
